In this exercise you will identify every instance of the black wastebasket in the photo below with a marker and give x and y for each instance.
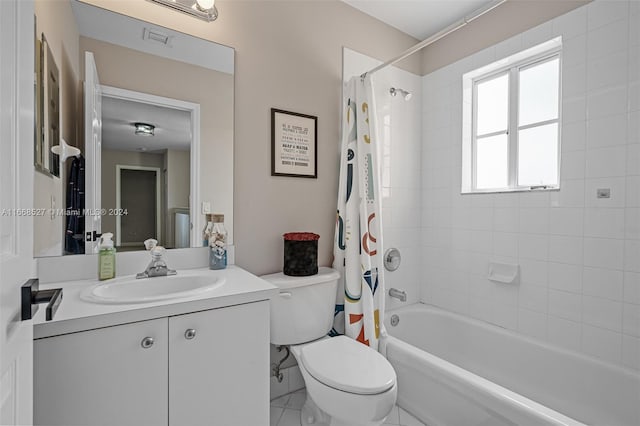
(300, 254)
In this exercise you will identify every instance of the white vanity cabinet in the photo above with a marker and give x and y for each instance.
(103, 376)
(203, 368)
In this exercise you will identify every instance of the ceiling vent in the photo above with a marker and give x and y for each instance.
(155, 36)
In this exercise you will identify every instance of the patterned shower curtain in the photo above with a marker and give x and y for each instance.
(358, 236)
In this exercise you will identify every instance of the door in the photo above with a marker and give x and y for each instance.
(138, 194)
(138, 197)
(93, 153)
(219, 366)
(109, 376)
(16, 198)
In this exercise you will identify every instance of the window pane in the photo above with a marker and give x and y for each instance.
(491, 162)
(539, 93)
(493, 105)
(538, 155)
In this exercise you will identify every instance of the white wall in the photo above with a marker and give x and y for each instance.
(579, 255)
(400, 132)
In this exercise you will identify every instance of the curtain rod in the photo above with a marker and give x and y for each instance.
(437, 36)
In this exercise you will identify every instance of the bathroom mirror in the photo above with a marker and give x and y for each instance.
(151, 110)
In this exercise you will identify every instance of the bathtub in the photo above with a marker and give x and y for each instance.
(456, 371)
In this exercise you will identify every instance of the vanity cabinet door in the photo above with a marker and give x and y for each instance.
(219, 367)
(108, 376)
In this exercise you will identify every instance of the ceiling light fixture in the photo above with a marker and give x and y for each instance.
(201, 9)
(144, 129)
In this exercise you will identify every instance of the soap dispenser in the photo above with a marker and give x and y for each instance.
(106, 257)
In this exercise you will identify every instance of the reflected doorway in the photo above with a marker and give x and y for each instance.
(170, 149)
(138, 206)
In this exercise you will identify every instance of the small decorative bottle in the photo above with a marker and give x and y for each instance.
(218, 243)
(206, 232)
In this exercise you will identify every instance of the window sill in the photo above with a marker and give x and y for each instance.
(508, 190)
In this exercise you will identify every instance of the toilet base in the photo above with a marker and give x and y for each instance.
(327, 406)
(311, 415)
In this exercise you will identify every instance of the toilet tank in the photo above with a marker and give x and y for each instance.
(303, 310)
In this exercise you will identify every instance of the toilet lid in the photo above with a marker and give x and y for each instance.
(347, 365)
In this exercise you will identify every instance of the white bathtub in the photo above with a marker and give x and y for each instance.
(456, 371)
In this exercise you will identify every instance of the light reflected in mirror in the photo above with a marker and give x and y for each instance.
(137, 185)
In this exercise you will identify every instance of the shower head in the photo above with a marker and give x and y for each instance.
(406, 95)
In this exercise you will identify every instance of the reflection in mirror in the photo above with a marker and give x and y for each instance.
(47, 113)
(132, 98)
(150, 165)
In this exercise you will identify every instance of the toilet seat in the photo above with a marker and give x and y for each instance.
(347, 365)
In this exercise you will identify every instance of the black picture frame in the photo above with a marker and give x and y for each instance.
(294, 144)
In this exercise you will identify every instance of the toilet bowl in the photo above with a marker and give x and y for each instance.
(348, 383)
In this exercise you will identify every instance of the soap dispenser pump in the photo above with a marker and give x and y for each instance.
(106, 257)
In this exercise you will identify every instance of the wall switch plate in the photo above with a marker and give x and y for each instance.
(206, 207)
(603, 193)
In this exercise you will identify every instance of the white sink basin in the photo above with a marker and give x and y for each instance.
(132, 290)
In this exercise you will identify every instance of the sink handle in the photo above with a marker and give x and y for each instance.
(147, 342)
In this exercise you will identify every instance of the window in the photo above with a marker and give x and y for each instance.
(512, 126)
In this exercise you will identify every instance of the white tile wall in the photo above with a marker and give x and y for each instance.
(399, 126)
(579, 256)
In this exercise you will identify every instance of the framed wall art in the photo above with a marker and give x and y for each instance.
(294, 144)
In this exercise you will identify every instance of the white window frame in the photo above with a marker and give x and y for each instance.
(512, 66)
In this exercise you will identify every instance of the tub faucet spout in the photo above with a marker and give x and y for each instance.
(401, 295)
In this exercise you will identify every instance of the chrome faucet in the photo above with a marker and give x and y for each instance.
(401, 295)
(157, 267)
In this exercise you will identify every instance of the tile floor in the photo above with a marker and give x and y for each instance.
(285, 411)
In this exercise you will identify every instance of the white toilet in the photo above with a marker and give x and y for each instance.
(348, 383)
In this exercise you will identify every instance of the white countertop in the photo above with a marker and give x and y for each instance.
(75, 315)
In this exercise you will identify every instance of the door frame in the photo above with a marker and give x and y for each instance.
(17, 47)
(194, 180)
(119, 169)
(93, 148)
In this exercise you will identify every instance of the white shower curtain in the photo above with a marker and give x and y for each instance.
(358, 237)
